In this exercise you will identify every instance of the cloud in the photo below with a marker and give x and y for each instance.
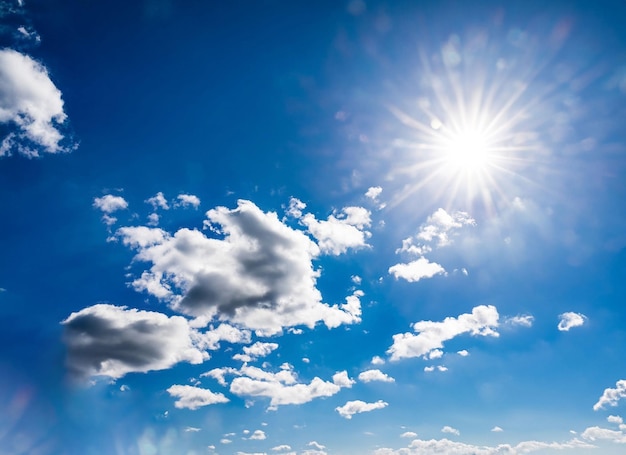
(317, 445)
(483, 320)
(525, 320)
(258, 435)
(30, 101)
(281, 448)
(615, 419)
(109, 203)
(192, 429)
(463, 353)
(282, 388)
(373, 192)
(497, 429)
(409, 434)
(375, 375)
(259, 275)
(158, 201)
(296, 206)
(416, 270)
(450, 430)
(377, 360)
(435, 447)
(597, 433)
(441, 225)
(190, 397)
(611, 397)
(357, 407)
(339, 233)
(111, 341)
(188, 200)
(569, 320)
(258, 349)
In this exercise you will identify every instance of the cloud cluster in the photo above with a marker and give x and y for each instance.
(258, 349)
(569, 319)
(259, 275)
(610, 397)
(483, 320)
(375, 375)
(438, 231)
(190, 397)
(30, 101)
(282, 387)
(356, 407)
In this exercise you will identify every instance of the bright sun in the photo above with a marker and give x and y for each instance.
(467, 150)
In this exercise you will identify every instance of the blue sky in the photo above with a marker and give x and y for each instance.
(387, 228)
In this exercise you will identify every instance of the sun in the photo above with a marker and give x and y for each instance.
(467, 150)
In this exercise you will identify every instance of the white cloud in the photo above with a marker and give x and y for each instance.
(30, 101)
(483, 320)
(342, 232)
(450, 430)
(225, 441)
(416, 270)
(441, 225)
(258, 349)
(281, 448)
(258, 435)
(497, 429)
(409, 434)
(522, 320)
(442, 368)
(357, 407)
(108, 340)
(375, 375)
(463, 353)
(568, 320)
(153, 219)
(429, 369)
(192, 429)
(282, 387)
(615, 419)
(373, 192)
(435, 354)
(377, 360)
(296, 206)
(611, 397)
(595, 433)
(109, 203)
(316, 444)
(441, 446)
(188, 200)
(190, 397)
(259, 275)
(158, 201)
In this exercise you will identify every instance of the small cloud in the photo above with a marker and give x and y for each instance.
(450, 430)
(158, 201)
(192, 430)
(409, 434)
(190, 397)
(375, 375)
(124, 388)
(258, 435)
(442, 368)
(109, 203)
(306, 360)
(429, 369)
(356, 407)
(187, 200)
(281, 448)
(225, 441)
(615, 419)
(317, 445)
(521, 320)
(497, 429)
(416, 270)
(463, 353)
(373, 192)
(153, 219)
(611, 397)
(435, 354)
(377, 360)
(356, 279)
(569, 319)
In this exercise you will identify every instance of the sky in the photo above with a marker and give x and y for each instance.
(312, 228)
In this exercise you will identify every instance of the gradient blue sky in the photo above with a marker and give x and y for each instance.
(362, 227)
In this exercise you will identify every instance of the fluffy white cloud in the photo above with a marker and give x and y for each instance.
(463, 353)
(317, 445)
(377, 360)
(357, 407)
(441, 446)
(259, 275)
(373, 192)
(598, 433)
(522, 320)
(107, 340)
(190, 397)
(188, 200)
(258, 435)
(611, 397)
(258, 349)
(497, 429)
(281, 448)
(339, 233)
(615, 419)
(441, 225)
(568, 320)
(109, 203)
(375, 375)
(30, 101)
(282, 387)
(409, 434)
(158, 201)
(448, 429)
(483, 320)
(416, 270)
